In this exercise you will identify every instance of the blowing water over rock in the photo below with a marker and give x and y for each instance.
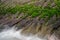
(29, 19)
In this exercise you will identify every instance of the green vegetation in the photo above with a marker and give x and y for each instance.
(32, 10)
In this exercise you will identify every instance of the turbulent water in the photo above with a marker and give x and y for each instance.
(12, 34)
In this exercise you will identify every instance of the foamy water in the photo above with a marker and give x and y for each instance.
(12, 34)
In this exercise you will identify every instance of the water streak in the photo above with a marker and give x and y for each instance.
(12, 34)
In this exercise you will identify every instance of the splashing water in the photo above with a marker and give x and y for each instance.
(12, 34)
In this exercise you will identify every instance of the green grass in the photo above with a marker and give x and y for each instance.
(32, 10)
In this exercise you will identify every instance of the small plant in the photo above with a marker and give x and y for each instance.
(32, 10)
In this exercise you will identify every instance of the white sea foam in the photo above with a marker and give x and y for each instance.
(12, 34)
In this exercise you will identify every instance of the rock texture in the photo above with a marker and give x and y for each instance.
(32, 25)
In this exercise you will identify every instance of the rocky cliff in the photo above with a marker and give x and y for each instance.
(40, 17)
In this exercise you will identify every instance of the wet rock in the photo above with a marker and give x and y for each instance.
(2, 27)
